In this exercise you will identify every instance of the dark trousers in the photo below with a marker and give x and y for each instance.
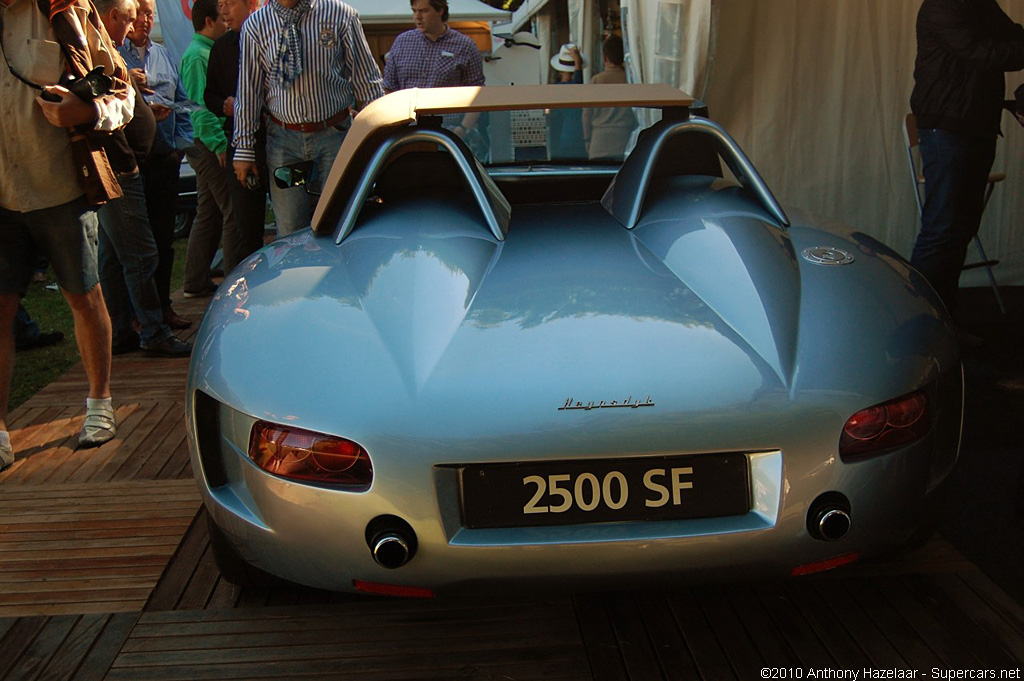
(160, 179)
(250, 208)
(956, 169)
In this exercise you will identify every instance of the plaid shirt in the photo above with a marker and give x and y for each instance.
(416, 61)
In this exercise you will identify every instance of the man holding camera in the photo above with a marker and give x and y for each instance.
(42, 207)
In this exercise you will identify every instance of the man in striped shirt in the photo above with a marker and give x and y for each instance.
(305, 63)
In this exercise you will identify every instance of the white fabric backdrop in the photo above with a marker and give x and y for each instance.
(815, 92)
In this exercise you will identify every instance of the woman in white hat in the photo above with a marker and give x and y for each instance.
(565, 126)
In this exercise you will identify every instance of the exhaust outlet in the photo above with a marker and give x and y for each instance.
(391, 540)
(390, 550)
(829, 517)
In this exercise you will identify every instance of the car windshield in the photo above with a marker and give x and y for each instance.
(601, 136)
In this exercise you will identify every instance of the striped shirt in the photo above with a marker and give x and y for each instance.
(415, 60)
(338, 70)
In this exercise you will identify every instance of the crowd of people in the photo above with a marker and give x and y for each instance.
(256, 88)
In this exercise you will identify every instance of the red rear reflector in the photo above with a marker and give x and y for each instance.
(304, 455)
(838, 561)
(391, 589)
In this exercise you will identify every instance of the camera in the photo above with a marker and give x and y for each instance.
(90, 86)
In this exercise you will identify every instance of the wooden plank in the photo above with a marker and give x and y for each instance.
(130, 597)
(69, 656)
(110, 567)
(631, 635)
(177, 458)
(800, 636)
(182, 564)
(310, 632)
(753, 617)
(834, 636)
(16, 640)
(360, 613)
(129, 417)
(949, 649)
(43, 647)
(103, 652)
(169, 418)
(225, 595)
(1010, 611)
(732, 637)
(991, 622)
(961, 627)
(391, 669)
(197, 592)
(602, 648)
(677, 662)
(56, 586)
(711, 659)
(891, 623)
(133, 446)
(861, 628)
(485, 660)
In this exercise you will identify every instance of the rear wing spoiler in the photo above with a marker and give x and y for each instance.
(399, 109)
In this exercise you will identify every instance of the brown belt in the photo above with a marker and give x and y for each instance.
(313, 127)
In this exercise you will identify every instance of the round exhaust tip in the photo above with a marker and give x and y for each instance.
(833, 524)
(391, 540)
(390, 550)
(828, 517)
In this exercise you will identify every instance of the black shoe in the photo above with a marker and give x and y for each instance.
(169, 347)
(125, 345)
(206, 292)
(40, 341)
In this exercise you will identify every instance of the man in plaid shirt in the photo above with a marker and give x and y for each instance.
(433, 55)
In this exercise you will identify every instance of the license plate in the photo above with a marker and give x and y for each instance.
(614, 490)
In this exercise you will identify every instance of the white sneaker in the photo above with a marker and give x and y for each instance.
(6, 458)
(98, 427)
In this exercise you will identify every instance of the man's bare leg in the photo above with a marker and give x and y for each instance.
(92, 332)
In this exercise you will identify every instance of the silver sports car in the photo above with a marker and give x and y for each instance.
(489, 363)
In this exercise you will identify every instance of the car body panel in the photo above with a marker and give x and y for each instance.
(434, 344)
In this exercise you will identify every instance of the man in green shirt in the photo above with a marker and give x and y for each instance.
(207, 156)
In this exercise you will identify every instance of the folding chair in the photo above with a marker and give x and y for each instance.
(916, 173)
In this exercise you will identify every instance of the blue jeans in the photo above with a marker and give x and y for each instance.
(293, 207)
(956, 168)
(127, 262)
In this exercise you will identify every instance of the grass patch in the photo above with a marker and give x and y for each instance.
(34, 369)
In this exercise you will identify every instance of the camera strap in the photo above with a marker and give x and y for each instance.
(10, 68)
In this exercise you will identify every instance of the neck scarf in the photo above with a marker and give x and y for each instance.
(289, 49)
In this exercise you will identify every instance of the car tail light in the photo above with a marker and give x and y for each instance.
(885, 426)
(299, 454)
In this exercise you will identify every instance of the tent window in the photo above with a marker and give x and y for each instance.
(667, 44)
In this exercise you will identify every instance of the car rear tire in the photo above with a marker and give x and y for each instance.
(231, 565)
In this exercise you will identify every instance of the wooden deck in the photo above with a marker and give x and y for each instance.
(106, 573)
